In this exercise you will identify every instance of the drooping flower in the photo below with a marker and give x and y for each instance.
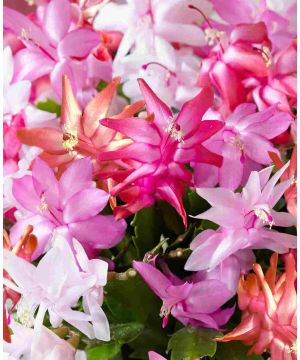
(162, 144)
(242, 218)
(268, 305)
(58, 290)
(291, 173)
(81, 134)
(71, 203)
(244, 143)
(191, 302)
(16, 93)
(53, 46)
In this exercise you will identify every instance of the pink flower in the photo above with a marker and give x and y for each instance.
(242, 218)
(161, 145)
(58, 290)
(11, 144)
(16, 93)
(52, 46)
(281, 85)
(244, 143)
(244, 53)
(278, 15)
(268, 305)
(191, 302)
(71, 203)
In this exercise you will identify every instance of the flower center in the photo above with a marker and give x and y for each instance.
(238, 142)
(25, 34)
(25, 313)
(43, 204)
(293, 348)
(266, 54)
(70, 138)
(174, 130)
(212, 36)
(263, 214)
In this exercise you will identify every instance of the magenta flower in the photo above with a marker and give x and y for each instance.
(52, 46)
(242, 218)
(70, 204)
(195, 303)
(244, 143)
(162, 145)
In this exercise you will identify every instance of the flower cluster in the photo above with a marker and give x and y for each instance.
(149, 170)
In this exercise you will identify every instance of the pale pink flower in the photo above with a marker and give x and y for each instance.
(58, 290)
(16, 93)
(242, 218)
(141, 20)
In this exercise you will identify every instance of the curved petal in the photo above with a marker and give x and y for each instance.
(192, 112)
(78, 43)
(98, 108)
(48, 139)
(162, 113)
(57, 20)
(100, 232)
(25, 193)
(84, 205)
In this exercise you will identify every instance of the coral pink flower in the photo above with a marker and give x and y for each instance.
(52, 47)
(162, 144)
(81, 134)
(244, 143)
(290, 173)
(268, 305)
(71, 203)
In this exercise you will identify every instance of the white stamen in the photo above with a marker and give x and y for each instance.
(263, 213)
(25, 313)
(267, 56)
(174, 130)
(25, 34)
(165, 310)
(212, 36)
(43, 204)
(293, 348)
(70, 138)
